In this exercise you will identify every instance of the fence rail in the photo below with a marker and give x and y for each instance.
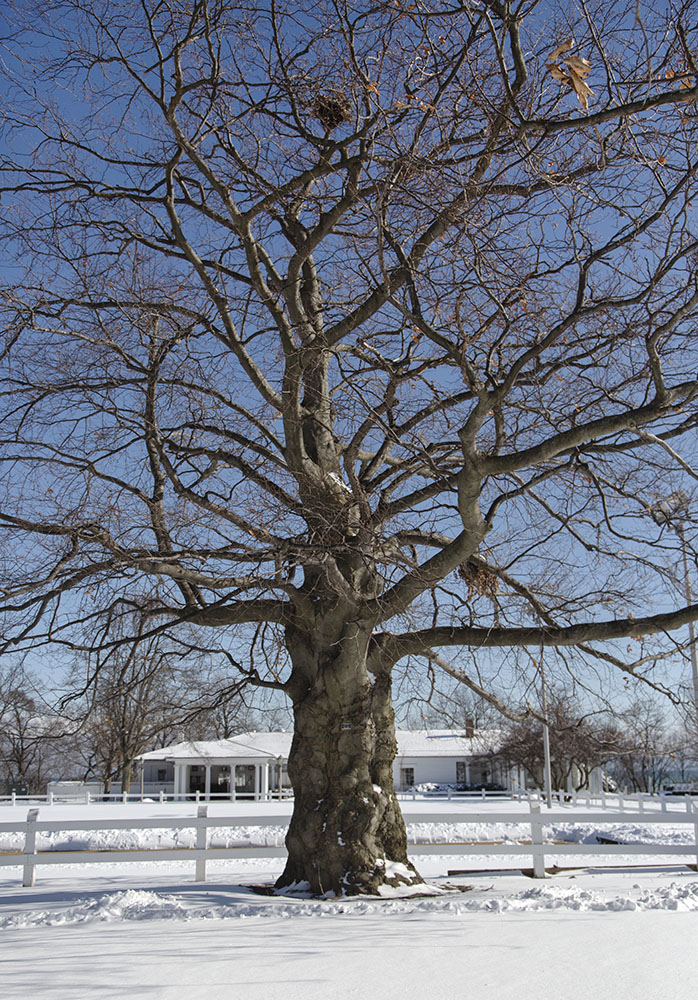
(537, 848)
(619, 800)
(89, 796)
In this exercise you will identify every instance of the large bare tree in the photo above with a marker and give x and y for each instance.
(364, 328)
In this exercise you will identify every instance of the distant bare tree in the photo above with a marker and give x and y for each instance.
(649, 750)
(579, 743)
(140, 691)
(34, 740)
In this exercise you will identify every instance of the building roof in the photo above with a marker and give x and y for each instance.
(252, 745)
(411, 743)
(446, 742)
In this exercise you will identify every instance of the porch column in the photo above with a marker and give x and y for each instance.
(233, 781)
(265, 781)
(207, 785)
(467, 770)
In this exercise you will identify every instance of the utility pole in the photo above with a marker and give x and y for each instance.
(673, 512)
(547, 777)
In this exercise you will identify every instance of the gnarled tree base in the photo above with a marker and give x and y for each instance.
(347, 836)
(352, 843)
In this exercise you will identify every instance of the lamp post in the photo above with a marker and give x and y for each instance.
(673, 512)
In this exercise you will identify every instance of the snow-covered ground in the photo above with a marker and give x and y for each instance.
(149, 931)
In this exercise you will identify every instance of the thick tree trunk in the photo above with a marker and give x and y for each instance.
(347, 835)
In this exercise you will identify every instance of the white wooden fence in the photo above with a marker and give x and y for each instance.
(88, 796)
(617, 800)
(605, 800)
(536, 848)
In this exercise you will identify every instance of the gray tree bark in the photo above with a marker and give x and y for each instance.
(347, 835)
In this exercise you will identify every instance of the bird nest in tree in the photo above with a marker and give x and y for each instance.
(332, 110)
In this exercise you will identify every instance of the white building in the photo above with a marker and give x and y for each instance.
(253, 765)
(450, 757)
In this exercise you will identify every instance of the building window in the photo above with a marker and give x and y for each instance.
(461, 773)
(162, 774)
(407, 777)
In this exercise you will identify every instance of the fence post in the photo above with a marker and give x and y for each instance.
(691, 810)
(691, 806)
(162, 796)
(621, 802)
(537, 841)
(449, 793)
(414, 794)
(201, 845)
(30, 848)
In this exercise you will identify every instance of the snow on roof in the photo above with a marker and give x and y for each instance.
(411, 743)
(446, 742)
(244, 745)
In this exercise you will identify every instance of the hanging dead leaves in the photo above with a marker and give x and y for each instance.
(479, 580)
(571, 70)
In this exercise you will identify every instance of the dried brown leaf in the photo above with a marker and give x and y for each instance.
(559, 74)
(581, 66)
(572, 70)
(563, 47)
(581, 89)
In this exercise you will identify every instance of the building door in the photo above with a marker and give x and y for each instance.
(220, 779)
(245, 779)
(406, 777)
(197, 778)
